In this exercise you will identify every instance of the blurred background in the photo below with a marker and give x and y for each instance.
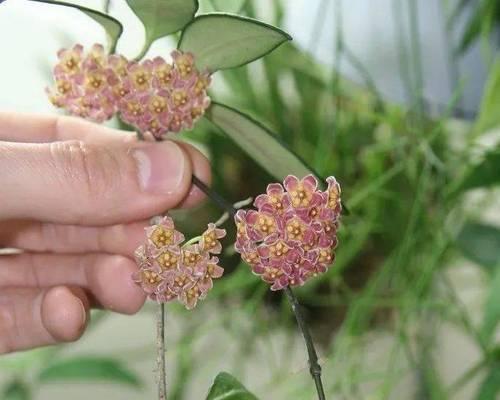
(400, 100)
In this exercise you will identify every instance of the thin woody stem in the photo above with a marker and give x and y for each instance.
(220, 201)
(314, 367)
(160, 343)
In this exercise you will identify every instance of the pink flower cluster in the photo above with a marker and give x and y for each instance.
(169, 271)
(152, 95)
(293, 233)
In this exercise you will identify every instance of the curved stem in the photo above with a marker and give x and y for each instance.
(220, 201)
(314, 367)
(160, 343)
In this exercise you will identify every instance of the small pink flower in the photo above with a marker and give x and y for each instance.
(82, 83)
(168, 271)
(153, 96)
(292, 235)
(209, 241)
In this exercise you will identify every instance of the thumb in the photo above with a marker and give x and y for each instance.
(83, 183)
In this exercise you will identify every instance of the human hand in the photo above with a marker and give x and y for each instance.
(75, 197)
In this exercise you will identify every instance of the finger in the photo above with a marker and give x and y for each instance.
(81, 183)
(201, 169)
(107, 277)
(38, 128)
(46, 237)
(32, 317)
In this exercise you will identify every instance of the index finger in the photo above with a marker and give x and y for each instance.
(39, 128)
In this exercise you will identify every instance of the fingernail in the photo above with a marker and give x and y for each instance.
(160, 166)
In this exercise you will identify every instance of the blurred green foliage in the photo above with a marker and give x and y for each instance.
(406, 177)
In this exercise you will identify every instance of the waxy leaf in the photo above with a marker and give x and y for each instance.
(89, 369)
(221, 41)
(227, 387)
(111, 25)
(258, 142)
(486, 173)
(481, 244)
(163, 17)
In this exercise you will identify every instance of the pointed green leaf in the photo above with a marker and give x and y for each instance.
(490, 388)
(89, 369)
(492, 308)
(111, 25)
(489, 113)
(258, 142)
(16, 390)
(486, 173)
(163, 17)
(221, 41)
(481, 244)
(227, 387)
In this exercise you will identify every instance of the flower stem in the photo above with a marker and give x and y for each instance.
(314, 367)
(160, 343)
(220, 201)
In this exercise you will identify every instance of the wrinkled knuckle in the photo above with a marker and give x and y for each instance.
(91, 169)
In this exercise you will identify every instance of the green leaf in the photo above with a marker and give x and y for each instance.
(486, 173)
(111, 25)
(232, 6)
(227, 387)
(480, 243)
(490, 388)
(489, 112)
(492, 308)
(89, 369)
(221, 41)
(258, 142)
(163, 17)
(16, 390)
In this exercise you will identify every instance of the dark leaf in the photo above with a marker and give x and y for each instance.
(481, 244)
(227, 387)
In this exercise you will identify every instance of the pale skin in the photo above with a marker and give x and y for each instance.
(75, 198)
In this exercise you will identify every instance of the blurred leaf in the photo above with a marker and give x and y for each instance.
(89, 369)
(489, 113)
(221, 41)
(232, 6)
(484, 174)
(18, 362)
(227, 387)
(111, 25)
(480, 23)
(163, 17)
(480, 243)
(16, 390)
(492, 308)
(258, 142)
(490, 388)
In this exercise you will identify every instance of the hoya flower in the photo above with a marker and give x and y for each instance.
(152, 95)
(81, 83)
(292, 235)
(164, 97)
(169, 270)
